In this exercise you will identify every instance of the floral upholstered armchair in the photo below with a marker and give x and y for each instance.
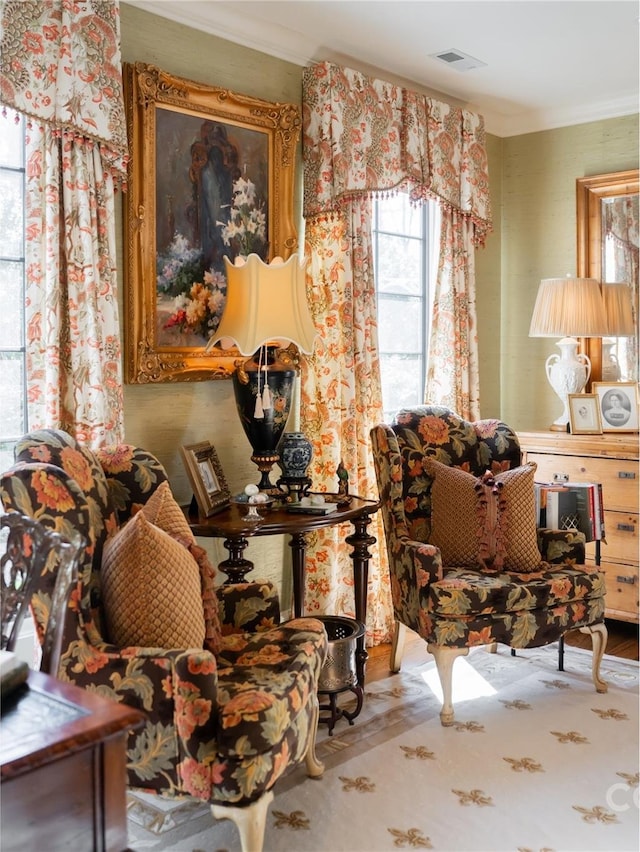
(229, 692)
(468, 566)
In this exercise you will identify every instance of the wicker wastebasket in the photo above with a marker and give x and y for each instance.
(339, 673)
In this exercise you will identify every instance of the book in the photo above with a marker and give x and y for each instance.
(543, 515)
(589, 504)
(302, 509)
(561, 509)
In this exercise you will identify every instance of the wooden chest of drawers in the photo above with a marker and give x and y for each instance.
(611, 459)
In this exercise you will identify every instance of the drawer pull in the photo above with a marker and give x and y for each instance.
(626, 474)
(626, 527)
(629, 580)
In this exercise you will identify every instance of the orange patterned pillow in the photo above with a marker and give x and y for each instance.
(151, 589)
(487, 522)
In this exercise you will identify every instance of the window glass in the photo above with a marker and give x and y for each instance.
(13, 421)
(402, 235)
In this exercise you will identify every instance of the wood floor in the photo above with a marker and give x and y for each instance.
(622, 642)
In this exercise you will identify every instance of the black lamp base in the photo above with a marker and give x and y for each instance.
(264, 424)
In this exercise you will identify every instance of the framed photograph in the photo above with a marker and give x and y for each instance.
(210, 174)
(618, 402)
(207, 479)
(584, 414)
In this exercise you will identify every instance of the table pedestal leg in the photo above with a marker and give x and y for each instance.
(360, 541)
(236, 566)
(298, 545)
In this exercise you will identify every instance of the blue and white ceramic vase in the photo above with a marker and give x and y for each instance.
(295, 455)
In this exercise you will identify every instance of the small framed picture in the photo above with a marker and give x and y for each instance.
(584, 414)
(207, 479)
(618, 403)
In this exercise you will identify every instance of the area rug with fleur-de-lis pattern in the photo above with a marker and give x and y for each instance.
(536, 761)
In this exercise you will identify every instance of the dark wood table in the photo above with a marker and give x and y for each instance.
(63, 768)
(231, 525)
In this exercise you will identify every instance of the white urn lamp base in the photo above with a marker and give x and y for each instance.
(567, 373)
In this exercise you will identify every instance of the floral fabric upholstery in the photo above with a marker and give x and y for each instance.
(223, 727)
(461, 607)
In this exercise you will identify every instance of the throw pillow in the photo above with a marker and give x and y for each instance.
(151, 589)
(162, 510)
(487, 521)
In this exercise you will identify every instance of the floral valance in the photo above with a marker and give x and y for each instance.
(366, 136)
(60, 64)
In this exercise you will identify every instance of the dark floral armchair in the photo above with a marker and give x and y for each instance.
(454, 607)
(221, 726)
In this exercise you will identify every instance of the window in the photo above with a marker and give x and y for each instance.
(403, 237)
(13, 416)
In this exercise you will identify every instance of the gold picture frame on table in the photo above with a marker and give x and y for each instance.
(618, 402)
(207, 479)
(211, 173)
(584, 414)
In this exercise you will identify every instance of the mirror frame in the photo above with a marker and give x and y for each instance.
(589, 193)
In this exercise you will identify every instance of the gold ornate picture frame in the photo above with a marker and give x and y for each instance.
(205, 474)
(211, 173)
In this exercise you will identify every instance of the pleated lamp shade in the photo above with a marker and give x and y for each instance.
(266, 302)
(617, 303)
(569, 307)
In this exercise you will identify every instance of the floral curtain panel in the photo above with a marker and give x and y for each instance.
(363, 137)
(60, 66)
(340, 397)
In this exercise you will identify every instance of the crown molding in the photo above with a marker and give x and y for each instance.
(281, 43)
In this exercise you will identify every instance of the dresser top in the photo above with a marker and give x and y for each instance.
(608, 445)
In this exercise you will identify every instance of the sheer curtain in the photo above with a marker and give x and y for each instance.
(76, 154)
(620, 226)
(361, 137)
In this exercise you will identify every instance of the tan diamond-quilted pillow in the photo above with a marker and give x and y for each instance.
(488, 521)
(162, 510)
(151, 589)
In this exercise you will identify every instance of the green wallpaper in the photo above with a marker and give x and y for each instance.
(539, 172)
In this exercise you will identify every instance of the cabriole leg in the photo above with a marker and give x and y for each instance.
(250, 820)
(397, 647)
(445, 658)
(599, 641)
(315, 767)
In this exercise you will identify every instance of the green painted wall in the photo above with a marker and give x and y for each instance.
(538, 240)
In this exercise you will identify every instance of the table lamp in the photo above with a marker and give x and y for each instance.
(617, 304)
(266, 309)
(568, 308)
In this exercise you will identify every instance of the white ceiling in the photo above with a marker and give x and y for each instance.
(549, 63)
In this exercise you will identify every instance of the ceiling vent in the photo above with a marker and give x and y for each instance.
(458, 60)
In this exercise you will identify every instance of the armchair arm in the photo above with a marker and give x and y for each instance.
(248, 607)
(561, 546)
(152, 680)
(414, 565)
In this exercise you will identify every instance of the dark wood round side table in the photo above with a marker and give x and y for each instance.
(231, 525)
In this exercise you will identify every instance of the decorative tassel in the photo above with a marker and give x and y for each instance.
(266, 396)
(258, 412)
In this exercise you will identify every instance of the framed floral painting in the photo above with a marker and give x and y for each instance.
(211, 174)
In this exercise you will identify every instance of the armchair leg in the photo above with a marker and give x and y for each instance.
(315, 767)
(397, 647)
(250, 821)
(445, 658)
(599, 641)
